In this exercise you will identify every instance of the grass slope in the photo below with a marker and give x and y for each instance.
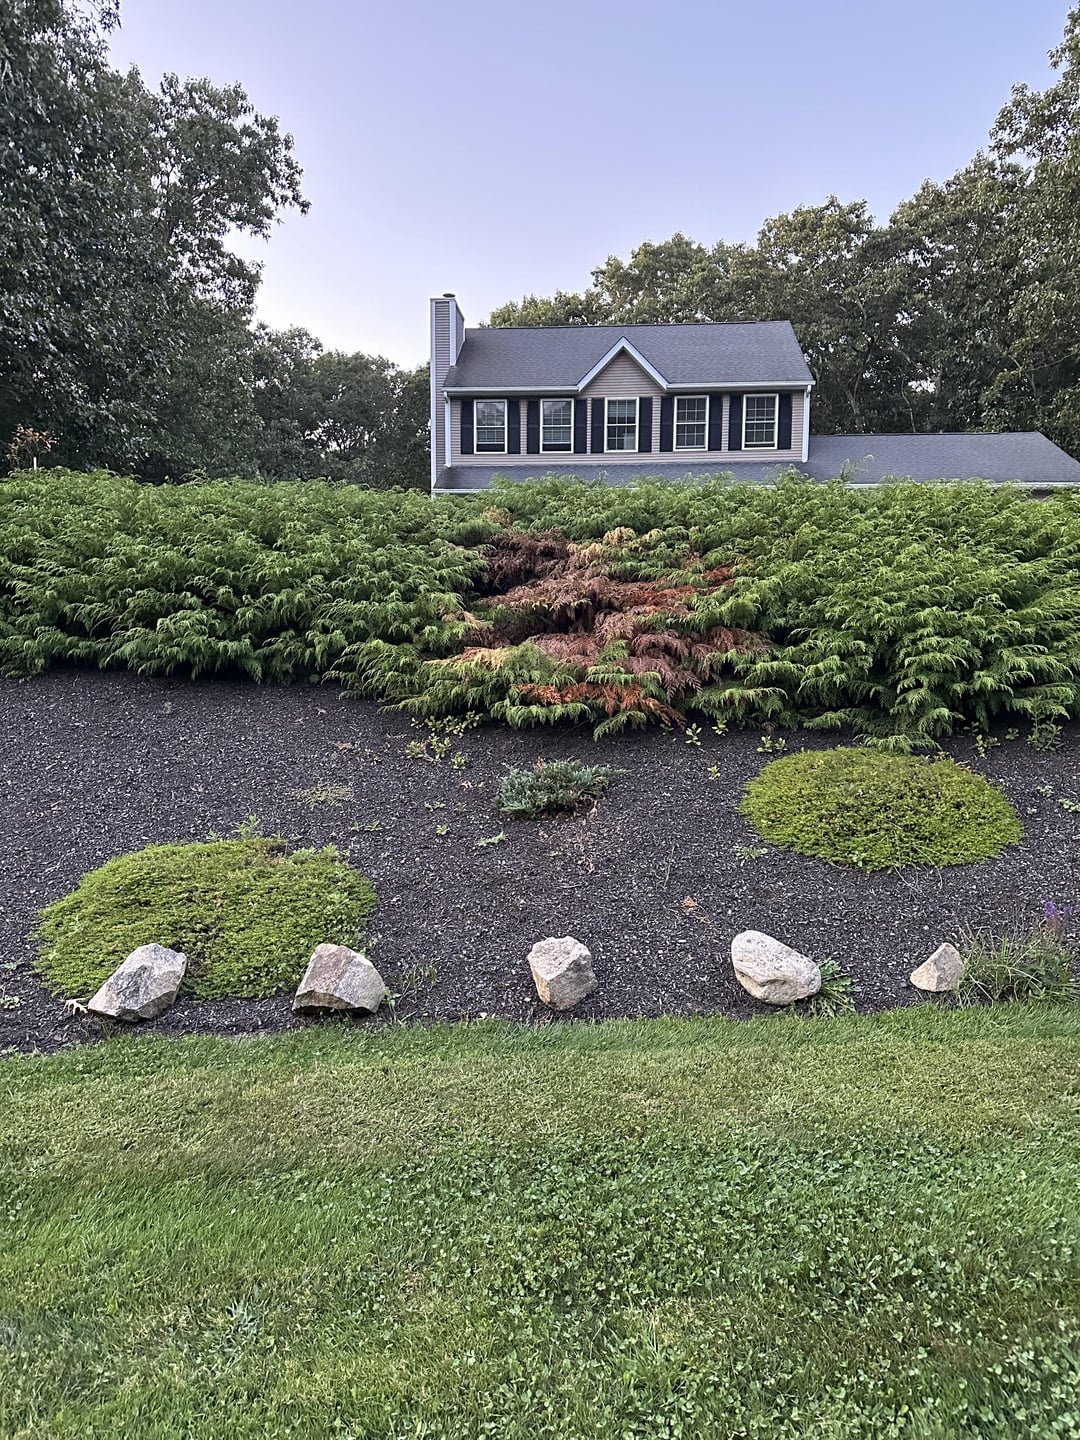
(861, 1227)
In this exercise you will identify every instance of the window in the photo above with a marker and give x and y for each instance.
(556, 424)
(491, 427)
(621, 425)
(759, 422)
(690, 419)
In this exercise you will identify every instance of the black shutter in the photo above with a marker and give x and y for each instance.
(783, 424)
(598, 426)
(716, 418)
(667, 423)
(513, 427)
(644, 424)
(734, 424)
(532, 428)
(466, 427)
(581, 421)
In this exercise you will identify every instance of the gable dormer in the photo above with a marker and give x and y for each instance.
(633, 362)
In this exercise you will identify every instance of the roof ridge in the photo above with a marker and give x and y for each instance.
(924, 434)
(634, 325)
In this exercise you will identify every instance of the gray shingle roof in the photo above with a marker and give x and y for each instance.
(763, 352)
(1027, 457)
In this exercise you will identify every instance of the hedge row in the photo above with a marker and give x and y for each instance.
(904, 611)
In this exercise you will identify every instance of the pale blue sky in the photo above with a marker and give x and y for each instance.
(495, 148)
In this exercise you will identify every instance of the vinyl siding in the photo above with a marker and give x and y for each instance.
(440, 363)
(622, 379)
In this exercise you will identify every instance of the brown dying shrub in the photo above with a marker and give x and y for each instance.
(562, 598)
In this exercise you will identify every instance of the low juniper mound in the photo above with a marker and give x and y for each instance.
(880, 811)
(551, 787)
(245, 912)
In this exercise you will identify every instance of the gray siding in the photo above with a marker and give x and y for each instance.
(621, 379)
(441, 321)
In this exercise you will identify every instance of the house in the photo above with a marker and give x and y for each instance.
(620, 402)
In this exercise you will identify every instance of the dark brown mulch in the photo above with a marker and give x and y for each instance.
(656, 880)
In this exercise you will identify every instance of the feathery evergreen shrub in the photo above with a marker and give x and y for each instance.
(273, 580)
(245, 912)
(879, 810)
(903, 612)
(551, 787)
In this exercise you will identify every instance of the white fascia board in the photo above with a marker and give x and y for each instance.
(740, 386)
(699, 387)
(469, 391)
(623, 346)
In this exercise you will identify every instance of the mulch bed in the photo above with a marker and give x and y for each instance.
(655, 880)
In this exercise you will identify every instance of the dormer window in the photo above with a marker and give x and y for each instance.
(690, 422)
(620, 431)
(557, 425)
(491, 427)
(759, 422)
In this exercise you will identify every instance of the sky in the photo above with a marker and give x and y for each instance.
(503, 149)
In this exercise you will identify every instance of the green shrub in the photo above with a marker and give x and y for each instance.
(551, 786)
(245, 912)
(274, 580)
(1037, 966)
(904, 612)
(878, 810)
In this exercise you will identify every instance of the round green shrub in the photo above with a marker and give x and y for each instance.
(245, 912)
(878, 810)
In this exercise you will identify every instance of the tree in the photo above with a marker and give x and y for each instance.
(962, 312)
(1040, 378)
(356, 418)
(119, 294)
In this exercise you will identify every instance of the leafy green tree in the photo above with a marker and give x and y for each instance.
(962, 312)
(956, 242)
(1039, 380)
(118, 290)
(560, 309)
(356, 418)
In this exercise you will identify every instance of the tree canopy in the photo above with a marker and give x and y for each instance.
(126, 316)
(127, 321)
(961, 312)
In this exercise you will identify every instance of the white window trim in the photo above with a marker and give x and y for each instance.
(774, 396)
(557, 449)
(608, 450)
(675, 423)
(505, 429)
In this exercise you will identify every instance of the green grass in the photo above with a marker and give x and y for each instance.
(859, 1227)
(247, 913)
(880, 811)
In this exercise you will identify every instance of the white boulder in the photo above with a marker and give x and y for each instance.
(338, 978)
(143, 986)
(943, 971)
(771, 971)
(562, 972)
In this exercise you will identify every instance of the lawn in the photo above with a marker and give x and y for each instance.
(855, 1227)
